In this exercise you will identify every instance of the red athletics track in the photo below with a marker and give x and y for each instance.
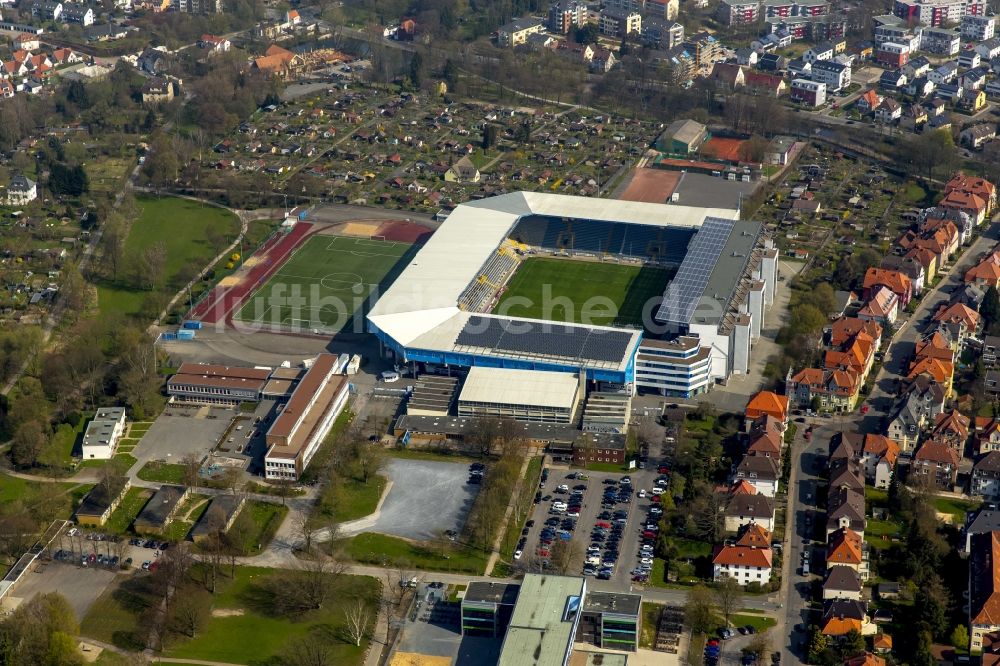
(220, 303)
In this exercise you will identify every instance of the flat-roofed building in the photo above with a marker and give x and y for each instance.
(487, 608)
(159, 510)
(433, 395)
(544, 622)
(217, 384)
(218, 517)
(103, 433)
(305, 419)
(101, 501)
(677, 368)
(524, 395)
(611, 620)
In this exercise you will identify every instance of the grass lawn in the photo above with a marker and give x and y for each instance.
(876, 529)
(248, 634)
(613, 468)
(329, 275)
(161, 472)
(876, 497)
(956, 508)
(14, 488)
(522, 507)
(182, 227)
(266, 519)
(372, 548)
(650, 620)
(357, 499)
(758, 622)
(126, 512)
(582, 292)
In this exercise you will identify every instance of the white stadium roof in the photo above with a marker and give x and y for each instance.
(505, 386)
(420, 310)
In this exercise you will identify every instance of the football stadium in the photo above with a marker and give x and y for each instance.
(634, 296)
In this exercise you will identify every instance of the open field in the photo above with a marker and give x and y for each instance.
(373, 548)
(183, 229)
(242, 626)
(131, 505)
(582, 292)
(325, 282)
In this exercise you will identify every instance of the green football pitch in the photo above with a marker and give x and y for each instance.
(325, 283)
(602, 294)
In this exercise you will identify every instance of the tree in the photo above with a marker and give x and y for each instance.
(189, 614)
(28, 443)
(923, 654)
(562, 554)
(416, 69)
(729, 596)
(818, 646)
(310, 650)
(357, 616)
(191, 465)
(852, 645)
(371, 458)
(699, 611)
(960, 637)
(490, 134)
(990, 309)
(586, 34)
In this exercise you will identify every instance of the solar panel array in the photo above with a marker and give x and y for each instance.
(533, 338)
(682, 295)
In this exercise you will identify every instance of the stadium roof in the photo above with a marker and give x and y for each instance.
(715, 262)
(542, 626)
(420, 309)
(521, 387)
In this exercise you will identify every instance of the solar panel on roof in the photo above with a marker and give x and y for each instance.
(681, 297)
(544, 339)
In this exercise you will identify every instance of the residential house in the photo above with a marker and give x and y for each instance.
(866, 659)
(973, 100)
(971, 204)
(153, 61)
(837, 390)
(748, 560)
(745, 505)
(868, 101)
(882, 308)
(962, 316)
(846, 510)
(980, 187)
(761, 472)
(809, 93)
(214, 43)
(845, 329)
(619, 23)
(888, 112)
(987, 272)
(946, 73)
(919, 88)
(846, 548)
(516, 32)
(895, 281)
(842, 582)
(21, 191)
(991, 351)
(747, 56)
(984, 587)
(981, 29)
(986, 476)
(766, 403)
(842, 616)
(462, 171)
(879, 457)
(102, 500)
(917, 67)
(157, 91)
(835, 75)
(935, 464)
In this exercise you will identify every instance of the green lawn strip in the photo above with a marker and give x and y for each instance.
(612, 468)
(582, 292)
(956, 508)
(372, 548)
(177, 530)
(115, 618)
(161, 472)
(357, 499)
(126, 512)
(875, 497)
(696, 650)
(650, 621)
(876, 529)
(758, 622)
(266, 519)
(523, 507)
(14, 488)
(416, 454)
(327, 268)
(265, 489)
(191, 501)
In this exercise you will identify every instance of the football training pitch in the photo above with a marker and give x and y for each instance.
(603, 294)
(326, 282)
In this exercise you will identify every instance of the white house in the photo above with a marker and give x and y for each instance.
(835, 75)
(103, 433)
(21, 190)
(748, 560)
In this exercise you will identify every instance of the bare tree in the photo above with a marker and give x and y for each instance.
(563, 553)
(189, 615)
(729, 596)
(371, 458)
(310, 650)
(191, 464)
(357, 617)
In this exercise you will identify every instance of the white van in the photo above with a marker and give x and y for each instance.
(389, 376)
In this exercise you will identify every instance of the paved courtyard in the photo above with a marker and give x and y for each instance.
(80, 586)
(182, 430)
(427, 497)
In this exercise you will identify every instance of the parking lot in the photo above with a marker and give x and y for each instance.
(183, 430)
(426, 499)
(604, 518)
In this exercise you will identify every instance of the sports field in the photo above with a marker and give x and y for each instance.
(325, 283)
(602, 294)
